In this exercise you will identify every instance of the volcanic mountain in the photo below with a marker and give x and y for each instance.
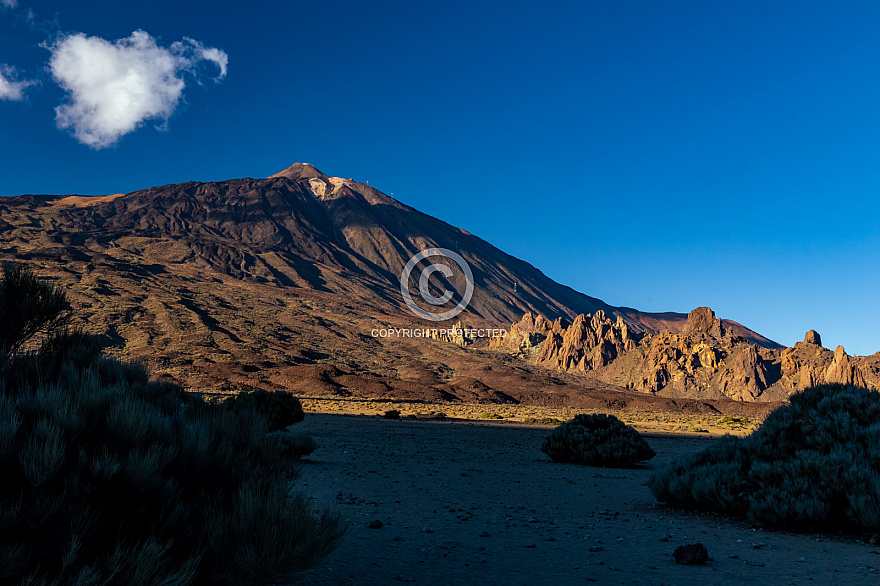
(279, 282)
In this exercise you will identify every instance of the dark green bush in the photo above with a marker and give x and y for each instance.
(295, 444)
(28, 306)
(280, 409)
(597, 440)
(107, 478)
(813, 464)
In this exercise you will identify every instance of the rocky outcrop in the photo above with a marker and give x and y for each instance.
(702, 322)
(745, 377)
(523, 335)
(843, 371)
(458, 334)
(705, 360)
(813, 337)
(804, 364)
(590, 342)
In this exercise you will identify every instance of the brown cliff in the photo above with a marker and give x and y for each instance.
(705, 360)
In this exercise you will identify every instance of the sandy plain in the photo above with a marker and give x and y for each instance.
(476, 502)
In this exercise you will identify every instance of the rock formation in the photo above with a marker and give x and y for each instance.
(701, 321)
(526, 334)
(813, 337)
(843, 371)
(705, 360)
(745, 377)
(590, 342)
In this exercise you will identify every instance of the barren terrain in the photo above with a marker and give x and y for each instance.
(280, 283)
(478, 503)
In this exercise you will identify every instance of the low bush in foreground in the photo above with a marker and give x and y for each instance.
(813, 464)
(280, 409)
(107, 478)
(597, 440)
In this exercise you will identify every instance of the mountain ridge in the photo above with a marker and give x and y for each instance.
(282, 282)
(381, 232)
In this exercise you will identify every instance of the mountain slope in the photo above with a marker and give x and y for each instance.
(280, 281)
(387, 233)
(302, 228)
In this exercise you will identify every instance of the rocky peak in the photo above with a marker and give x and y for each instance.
(590, 342)
(559, 325)
(353, 196)
(813, 337)
(843, 371)
(702, 321)
(300, 171)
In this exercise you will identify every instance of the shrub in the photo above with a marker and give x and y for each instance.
(280, 409)
(597, 440)
(28, 306)
(813, 464)
(295, 444)
(106, 477)
(730, 420)
(542, 420)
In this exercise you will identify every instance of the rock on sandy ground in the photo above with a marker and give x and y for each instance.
(478, 503)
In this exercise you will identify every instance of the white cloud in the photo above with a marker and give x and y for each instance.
(114, 87)
(220, 58)
(11, 88)
(9, 3)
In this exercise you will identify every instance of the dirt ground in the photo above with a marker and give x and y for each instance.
(478, 503)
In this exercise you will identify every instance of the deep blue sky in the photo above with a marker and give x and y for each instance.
(660, 155)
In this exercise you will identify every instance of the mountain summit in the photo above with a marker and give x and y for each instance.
(300, 171)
